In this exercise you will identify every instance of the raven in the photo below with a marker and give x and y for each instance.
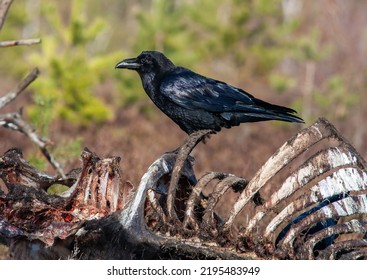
(195, 102)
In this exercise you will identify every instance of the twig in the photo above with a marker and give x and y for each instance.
(14, 121)
(21, 42)
(4, 100)
(4, 7)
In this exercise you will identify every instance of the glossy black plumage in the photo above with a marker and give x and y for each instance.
(196, 102)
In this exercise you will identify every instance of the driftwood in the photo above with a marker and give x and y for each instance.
(308, 201)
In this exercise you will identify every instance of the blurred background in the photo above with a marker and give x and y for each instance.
(308, 55)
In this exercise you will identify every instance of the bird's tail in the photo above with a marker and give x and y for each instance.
(261, 111)
(277, 112)
(256, 117)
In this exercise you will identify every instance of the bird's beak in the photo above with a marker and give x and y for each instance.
(129, 63)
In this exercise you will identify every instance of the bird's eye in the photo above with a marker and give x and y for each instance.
(144, 60)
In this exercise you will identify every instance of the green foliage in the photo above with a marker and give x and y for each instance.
(42, 111)
(309, 47)
(65, 151)
(162, 27)
(71, 68)
(334, 95)
(129, 88)
(15, 21)
(192, 31)
(38, 161)
(333, 92)
(252, 38)
(57, 189)
(68, 150)
(281, 83)
(72, 62)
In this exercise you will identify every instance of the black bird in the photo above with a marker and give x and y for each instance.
(195, 102)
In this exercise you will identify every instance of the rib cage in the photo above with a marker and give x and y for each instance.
(313, 203)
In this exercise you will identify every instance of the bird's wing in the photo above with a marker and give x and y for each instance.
(193, 91)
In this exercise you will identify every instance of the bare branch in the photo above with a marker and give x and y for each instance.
(4, 7)
(4, 100)
(14, 121)
(21, 42)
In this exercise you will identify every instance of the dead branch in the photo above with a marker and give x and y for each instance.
(15, 121)
(4, 100)
(21, 42)
(4, 7)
